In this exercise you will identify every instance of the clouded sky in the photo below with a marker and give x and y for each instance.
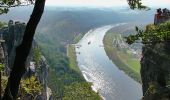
(104, 3)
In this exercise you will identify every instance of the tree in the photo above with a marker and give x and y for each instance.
(136, 4)
(6, 4)
(23, 50)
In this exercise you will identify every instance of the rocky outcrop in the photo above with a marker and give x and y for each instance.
(155, 71)
(42, 74)
(12, 34)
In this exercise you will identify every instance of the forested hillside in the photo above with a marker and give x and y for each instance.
(34, 83)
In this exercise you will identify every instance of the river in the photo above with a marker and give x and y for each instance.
(96, 67)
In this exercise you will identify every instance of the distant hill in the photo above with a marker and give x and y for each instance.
(64, 23)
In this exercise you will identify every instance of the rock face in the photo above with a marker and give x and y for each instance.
(42, 75)
(13, 34)
(155, 71)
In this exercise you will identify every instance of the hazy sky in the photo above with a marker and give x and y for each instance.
(104, 3)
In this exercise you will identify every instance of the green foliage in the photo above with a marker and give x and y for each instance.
(4, 10)
(80, 91)
(2, 24)
(152, 88)
(6, 4)
(72, 58)
(31, 86)
(152, 34)
(1, 66)
(136, 4)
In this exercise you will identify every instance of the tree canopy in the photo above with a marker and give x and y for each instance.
(152, 34)
(6, 4)
(136, 4)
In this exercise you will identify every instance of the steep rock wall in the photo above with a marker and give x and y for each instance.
(155, 71)
(13, 34)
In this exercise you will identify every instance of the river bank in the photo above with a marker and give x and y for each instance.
(107, 79)
(82, 89)
(120, 56)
